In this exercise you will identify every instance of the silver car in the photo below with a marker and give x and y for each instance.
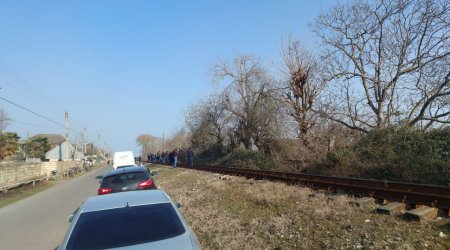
(129, 220)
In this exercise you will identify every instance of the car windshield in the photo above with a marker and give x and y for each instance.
(125, 227)
(119, 179)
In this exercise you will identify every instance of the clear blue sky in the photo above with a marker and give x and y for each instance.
(125, 68)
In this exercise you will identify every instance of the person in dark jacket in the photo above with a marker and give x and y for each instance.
(175, 155)
(163, 157)
(168, 157)
(190, 157)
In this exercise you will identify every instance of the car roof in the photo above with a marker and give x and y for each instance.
(128, 169)
(124, 199)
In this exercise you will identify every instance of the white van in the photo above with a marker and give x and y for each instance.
(122, 159)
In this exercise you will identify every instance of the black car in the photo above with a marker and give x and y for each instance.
(126, 179)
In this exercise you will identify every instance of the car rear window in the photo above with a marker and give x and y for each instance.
(125, 226)
(124, 177)
(125, 166)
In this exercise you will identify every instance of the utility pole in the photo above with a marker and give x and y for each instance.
(97, 143)
(162, 149)
(76, 147)
(67, 135)
(85, 142)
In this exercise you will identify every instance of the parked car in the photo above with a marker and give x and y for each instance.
(129, 220)
(126, 179)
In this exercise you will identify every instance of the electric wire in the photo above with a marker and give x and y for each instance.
(35, 125)
(14, 77)
(31, 111)
(15, 80)
(31, 124)
(4, 79)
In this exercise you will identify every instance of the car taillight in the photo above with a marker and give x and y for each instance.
(145, 184)
(103, 191)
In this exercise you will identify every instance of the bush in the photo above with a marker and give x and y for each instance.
(240, 158)
(209, 155)
(396, 153)
(244, 158)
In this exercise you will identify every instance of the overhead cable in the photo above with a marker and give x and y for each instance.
(31, 111)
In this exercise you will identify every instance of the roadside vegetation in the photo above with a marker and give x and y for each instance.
(397, 154)
(229, 212)
(371, 100)
(393, 154)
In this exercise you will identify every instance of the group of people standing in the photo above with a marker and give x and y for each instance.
(171, 157)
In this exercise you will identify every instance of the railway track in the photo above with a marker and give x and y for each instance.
(413, 194)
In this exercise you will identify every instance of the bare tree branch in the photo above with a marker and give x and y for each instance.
(392, 53)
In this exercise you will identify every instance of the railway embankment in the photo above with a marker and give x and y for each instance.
(229, 212)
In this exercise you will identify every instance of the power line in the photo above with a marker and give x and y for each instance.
(15, 80)
(9, 82)
(43, 117)
(14, 77)
(48, 119)
(31, 124)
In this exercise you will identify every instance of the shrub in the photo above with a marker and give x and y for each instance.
(396, 153)
(244, 158)
(209, 155)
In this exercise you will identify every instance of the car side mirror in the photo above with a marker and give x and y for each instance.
(154, 173)
(70, 218)
(178, 204)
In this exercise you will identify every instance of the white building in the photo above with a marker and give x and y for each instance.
(64, 152)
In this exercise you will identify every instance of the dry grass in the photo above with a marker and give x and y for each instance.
(235, 213)
(22, 192)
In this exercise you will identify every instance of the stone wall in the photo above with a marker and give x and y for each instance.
(16, 172)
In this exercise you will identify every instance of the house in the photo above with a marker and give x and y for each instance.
(64, 151)
(53, 139)
(60, 149)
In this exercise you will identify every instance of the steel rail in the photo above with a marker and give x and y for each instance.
(417, 194)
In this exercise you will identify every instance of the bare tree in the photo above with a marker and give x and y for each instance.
(207, 121)
(387, 62)
(302, 86)
(148, 144)
(179, 140)
(248, 97)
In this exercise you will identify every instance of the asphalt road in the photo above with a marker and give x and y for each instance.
(40, 221)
